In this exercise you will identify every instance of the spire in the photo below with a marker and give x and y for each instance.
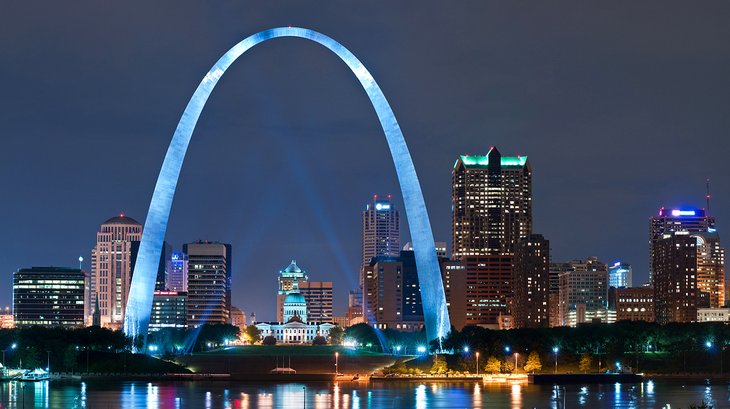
(707, 197)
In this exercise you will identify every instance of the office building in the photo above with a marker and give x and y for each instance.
(169, 310)
(209, 283)
(453, 276)
(111, 269)
(392, 296)
(710, 269)
(583, 292)
(690, 220)
(49, 296)
(531, 282)
(713, 315)
(238, 318)
(492, 204)
(633, 303)
(178, 272)
(318, 295)
(355, 307)
(620, 275)
(675, 278)
(162, 268)
(289, 279)
(380, 229)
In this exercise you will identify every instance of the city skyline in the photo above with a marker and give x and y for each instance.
(603, 187)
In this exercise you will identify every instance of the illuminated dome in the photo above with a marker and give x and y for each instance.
(121, 219)
(294, 298)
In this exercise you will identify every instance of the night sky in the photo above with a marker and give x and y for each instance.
(622, 108)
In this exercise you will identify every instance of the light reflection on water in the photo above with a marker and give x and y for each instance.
(232, 395)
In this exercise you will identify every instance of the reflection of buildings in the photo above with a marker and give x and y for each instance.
(169, 310)
(209, 283)
(295, 327)
(111, 268)
(49, 296)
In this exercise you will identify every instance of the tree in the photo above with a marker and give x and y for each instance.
(319, 340)
(253, 334)
(493, 366)
(269, 340)
(585, 363)
(508, 366)
(69, 358)
(439, 365)
(336, 335)
(399, 367)
(533, 362)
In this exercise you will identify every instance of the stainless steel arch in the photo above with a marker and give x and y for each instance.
(139, 304)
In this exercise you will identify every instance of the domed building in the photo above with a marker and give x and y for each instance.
(293, 328)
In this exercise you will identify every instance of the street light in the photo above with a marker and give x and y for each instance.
(337, 357)
(466, 349)
(421, 349)
(555, 351)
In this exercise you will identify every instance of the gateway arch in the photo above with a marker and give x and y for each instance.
(139, 303)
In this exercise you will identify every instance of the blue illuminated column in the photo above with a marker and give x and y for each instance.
(139, 304)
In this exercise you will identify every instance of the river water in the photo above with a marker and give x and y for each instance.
(223, 394)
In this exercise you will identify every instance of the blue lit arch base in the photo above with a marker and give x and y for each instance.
(139, 304)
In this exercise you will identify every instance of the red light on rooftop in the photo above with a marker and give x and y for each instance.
(121, 214)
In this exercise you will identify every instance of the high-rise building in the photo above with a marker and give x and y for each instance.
(169, 310)
(288, 282)
(583, 292)
(392, 296)
(111, 268)
(49, 296)
(354, 307)
(691, 220)
(531, 282)
(620, 275)
(209, 283)
(380, 229)
(710, 268)
(453, 275)
(492, 204)
(675, 277)
(318, 295)
(479, 289)
(178, 272)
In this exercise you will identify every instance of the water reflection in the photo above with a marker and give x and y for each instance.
(232, 395)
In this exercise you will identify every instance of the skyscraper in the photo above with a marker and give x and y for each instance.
(318, 295)
(691, 220)
(675, 278)
(620, 275)
(162, 267)
(380, 229)
(111, 268)
(49, 296)
(492, 204)
(583, 292)
(209, 283)
(288, 282)
(531, 282)
(392, 293)
(710, 268)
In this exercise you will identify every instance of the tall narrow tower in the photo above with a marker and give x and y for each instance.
(111, 268)
(492, 204)
(380, 229)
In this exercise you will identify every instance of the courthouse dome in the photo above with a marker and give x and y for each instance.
(121, 219)
(294, 298)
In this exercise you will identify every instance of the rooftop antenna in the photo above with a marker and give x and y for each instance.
(707, 197)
